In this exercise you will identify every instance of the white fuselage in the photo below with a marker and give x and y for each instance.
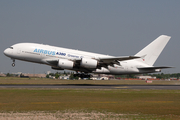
(39, 53)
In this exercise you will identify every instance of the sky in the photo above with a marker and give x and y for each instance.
(111, 27)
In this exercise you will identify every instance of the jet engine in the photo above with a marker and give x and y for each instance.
(88, 63)
(65, 64)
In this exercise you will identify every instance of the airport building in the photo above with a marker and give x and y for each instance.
(2, 75)
(145, 77)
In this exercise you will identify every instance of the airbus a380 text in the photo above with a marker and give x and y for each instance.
(86, 62)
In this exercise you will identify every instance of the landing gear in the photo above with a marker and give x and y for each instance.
(83, 75)
(13, 64)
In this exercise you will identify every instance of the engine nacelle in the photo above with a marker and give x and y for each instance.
(65, 64)
(88, 63)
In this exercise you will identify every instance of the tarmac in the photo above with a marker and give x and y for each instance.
(94, 86)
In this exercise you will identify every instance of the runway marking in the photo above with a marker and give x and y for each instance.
(122, 87)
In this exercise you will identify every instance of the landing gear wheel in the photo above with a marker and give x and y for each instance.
(13, 64)
(82, 76)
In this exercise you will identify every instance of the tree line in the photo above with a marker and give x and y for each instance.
(160, 75)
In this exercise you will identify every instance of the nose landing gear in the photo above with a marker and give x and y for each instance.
(13, 64)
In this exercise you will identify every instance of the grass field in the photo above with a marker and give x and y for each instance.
(87, 103)
(131, 103)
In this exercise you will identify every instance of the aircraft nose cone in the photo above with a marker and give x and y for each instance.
(6, 52)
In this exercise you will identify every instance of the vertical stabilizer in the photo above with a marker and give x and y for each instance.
(152, 51)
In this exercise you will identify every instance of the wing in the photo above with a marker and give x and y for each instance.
(103, 62)
(111, 59)
(150, 68)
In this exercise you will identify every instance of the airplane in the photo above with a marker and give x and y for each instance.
(87, 62)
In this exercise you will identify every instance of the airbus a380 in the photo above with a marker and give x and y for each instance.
(86, 62)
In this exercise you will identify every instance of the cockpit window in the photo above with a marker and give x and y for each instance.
(11, 47)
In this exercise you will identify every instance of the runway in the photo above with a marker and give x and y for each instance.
(93, 86)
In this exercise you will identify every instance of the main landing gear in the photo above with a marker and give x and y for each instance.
(13, 64)
(82, 75)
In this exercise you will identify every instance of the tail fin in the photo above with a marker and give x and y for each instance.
(152, 51)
